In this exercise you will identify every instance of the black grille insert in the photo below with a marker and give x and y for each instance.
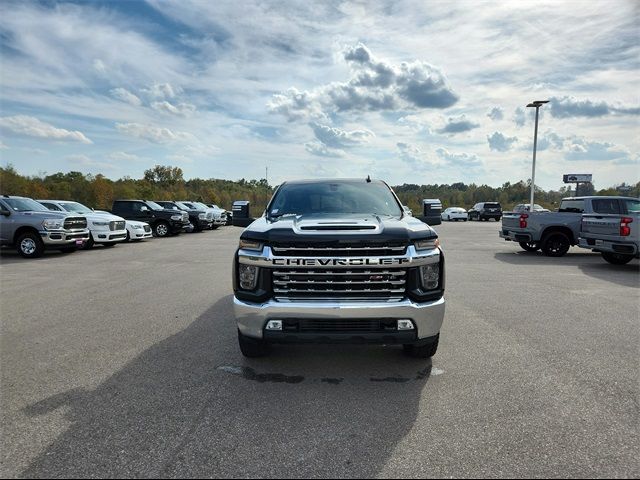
(72, 223)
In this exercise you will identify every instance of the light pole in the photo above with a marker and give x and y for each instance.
(537, 104)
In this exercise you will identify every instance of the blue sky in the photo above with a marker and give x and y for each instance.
(415, 92)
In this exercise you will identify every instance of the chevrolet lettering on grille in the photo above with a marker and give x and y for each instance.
(325, 262)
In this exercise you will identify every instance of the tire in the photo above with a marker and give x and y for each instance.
(30, 245)
(213, 227)
(161, 229)
(449, 217)
(128, 239)
(555, 244)
(88, 245)
(252, 347)
(109, 245)
(530, 246)
(616, 258)
(423, 350)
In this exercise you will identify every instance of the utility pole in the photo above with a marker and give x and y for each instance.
(537, 104)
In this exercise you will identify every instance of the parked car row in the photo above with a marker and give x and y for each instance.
(608, 225)
(32, 226)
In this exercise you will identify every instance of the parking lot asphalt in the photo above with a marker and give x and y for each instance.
(123, 362)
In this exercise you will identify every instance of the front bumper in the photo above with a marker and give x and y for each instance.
(62, 238)
(427, 318)
(219, 221)
(108, 236)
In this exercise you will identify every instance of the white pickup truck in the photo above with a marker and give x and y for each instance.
(555, 232)
(615, 235)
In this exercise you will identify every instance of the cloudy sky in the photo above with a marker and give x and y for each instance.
(415, 92)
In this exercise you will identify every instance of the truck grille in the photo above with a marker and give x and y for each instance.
(73, 223)
(340, 284)
(336, 250)
(328, 325)
(147, 228)
(119, 225)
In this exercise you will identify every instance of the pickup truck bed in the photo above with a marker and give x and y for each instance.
(616, 237)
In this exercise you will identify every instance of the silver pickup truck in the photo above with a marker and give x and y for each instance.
(615, 235)
(555, 232)
(30, 227)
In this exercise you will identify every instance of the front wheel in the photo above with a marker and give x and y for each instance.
(555, 244)
(252, 347)
(530, 246)
(617, 258)
(161, 229)
(426, 349)
(29, 245)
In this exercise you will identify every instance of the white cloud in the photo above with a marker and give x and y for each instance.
(567, 107)
(3, 146)
(162, 90)
(320, 149)
(458, 125)
(182, 109)
(125, 96)
(87, 162)
(496, 114)
(336, 138)
(374, 85)
(32, 127)
(459, 160)
(124, 157)
(414, 156)
(153, 133)
(500, 143)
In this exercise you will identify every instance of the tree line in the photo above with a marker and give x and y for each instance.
(168, 183)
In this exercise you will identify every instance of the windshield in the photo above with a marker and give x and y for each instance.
(201, 206)
(334, 197)
(183, 206)
(25, 205)
(170, 205)
(155, 206)
(75, 207)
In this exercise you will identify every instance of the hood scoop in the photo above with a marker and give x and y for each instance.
(340, 227)
(369, 224)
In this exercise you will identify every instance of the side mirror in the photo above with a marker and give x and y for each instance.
(5, 213)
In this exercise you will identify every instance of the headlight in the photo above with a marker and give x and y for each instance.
(202, 216)
(52, 224)
(100, 224)
(427, 244)
(176, 217)
(248, 275)
(250, 245)
(137, 226)
(430, 276)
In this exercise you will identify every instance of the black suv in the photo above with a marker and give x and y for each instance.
(163, 222)
(485, 211)
(197, 217)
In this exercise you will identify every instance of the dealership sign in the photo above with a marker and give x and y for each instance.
(577, 178)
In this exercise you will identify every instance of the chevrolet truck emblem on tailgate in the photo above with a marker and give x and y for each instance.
(324, 262)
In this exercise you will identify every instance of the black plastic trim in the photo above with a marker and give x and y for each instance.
(263, 291)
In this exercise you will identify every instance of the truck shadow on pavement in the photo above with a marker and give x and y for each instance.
(589, 263)
(191, 406)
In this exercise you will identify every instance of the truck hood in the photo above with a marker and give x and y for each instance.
(49, 214)
(102, 216)
(351, 228)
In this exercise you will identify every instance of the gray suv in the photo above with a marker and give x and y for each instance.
(30, 227)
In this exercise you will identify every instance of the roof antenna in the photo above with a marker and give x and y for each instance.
(368, 178)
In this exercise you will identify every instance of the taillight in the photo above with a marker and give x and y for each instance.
(625, 230)
(523, 220)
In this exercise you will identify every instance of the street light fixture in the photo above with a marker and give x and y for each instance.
(537, 104)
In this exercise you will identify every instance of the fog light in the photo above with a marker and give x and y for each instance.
(274, 325)
(430, 276)
(405, 325)
(248, 276)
